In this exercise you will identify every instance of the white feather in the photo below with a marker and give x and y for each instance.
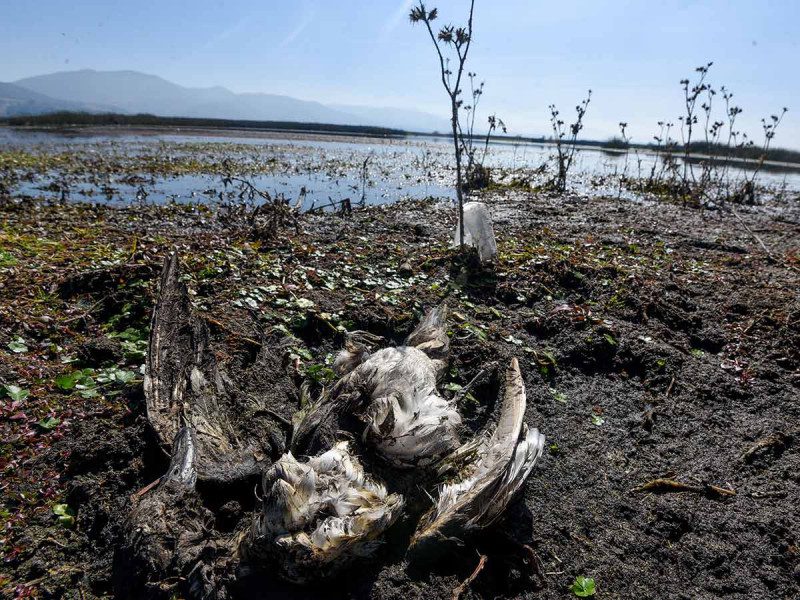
(319, 515)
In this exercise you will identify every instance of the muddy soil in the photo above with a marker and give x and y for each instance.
(656, 342)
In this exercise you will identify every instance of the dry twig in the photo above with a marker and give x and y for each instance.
(460, 394)
(664, 486)
(145, 489)
(776, 440)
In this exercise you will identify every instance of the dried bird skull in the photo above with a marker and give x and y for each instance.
(320, 515)
(491, 470)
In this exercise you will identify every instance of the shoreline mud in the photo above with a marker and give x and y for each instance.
(657, 343)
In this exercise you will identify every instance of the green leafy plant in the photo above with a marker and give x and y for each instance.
(474, 330)
(66, 381)
(133, 341)
(320, 374)
(88, 382)
(7, 259)
(115, 375)
(583, 587)
(301, 352)
(15, 392)
(80, 381)
(49, 423)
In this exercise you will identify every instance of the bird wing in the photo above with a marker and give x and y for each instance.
(185, 386)
(503, 460)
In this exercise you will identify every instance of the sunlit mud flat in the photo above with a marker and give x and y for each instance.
(317, 171)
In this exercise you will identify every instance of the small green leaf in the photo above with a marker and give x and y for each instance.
(67, 381)
(583, 587)
(49, 423)
(320, 373)
(7, 259)
(134, 350)
(303, 353)
(125, 376)
(474, 330)
(66, 516)
(610, 339)
(17, 345)
(15, 392)
(597, 420)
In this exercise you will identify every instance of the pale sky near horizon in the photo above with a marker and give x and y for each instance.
(631, 53)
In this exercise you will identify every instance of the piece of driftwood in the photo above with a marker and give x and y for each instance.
(319, 516)
(489, 471)
(390, 398)
(185, 386)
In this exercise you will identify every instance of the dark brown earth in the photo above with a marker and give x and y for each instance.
(655, 342)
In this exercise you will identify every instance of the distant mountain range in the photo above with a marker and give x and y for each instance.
(17, 100)
(133, 92)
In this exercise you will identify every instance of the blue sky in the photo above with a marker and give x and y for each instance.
(530, 53)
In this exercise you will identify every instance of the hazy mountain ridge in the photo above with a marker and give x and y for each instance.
(134, 92)
(16, 100)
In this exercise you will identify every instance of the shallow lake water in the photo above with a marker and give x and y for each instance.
(321, 169)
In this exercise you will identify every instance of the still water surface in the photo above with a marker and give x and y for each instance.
(320, 169)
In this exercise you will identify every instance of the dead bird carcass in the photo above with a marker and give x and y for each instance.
(321, 511)
(169, 536)
(486, 472)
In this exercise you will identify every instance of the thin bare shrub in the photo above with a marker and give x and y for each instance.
(564, 138)
(711, 163)
(457, 40)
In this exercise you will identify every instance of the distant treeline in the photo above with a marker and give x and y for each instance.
(718, 150)
(696, 148)
(66, 119)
